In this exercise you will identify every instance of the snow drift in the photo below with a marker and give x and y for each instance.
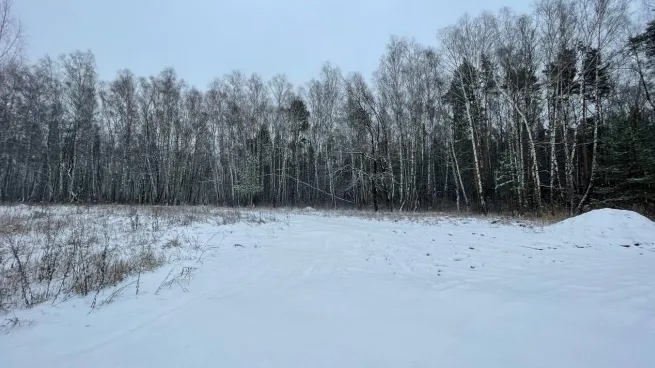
(608, 226)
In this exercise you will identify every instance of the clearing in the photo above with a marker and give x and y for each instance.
(317, 289)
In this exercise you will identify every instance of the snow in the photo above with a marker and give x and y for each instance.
(324, 290)
(618, 226)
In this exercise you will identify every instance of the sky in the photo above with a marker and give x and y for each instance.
(205, 39)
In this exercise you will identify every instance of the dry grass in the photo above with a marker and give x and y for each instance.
(437, 216)
(50, 253)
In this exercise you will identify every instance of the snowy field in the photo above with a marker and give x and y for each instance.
(314, 289)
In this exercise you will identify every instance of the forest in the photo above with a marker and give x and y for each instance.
(544, 112)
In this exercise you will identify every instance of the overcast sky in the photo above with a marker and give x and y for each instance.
(204, 39)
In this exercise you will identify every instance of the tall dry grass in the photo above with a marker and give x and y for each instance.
(51, 253)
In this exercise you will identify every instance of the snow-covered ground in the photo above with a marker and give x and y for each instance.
(320, 290)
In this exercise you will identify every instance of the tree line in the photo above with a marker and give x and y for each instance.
(547, 111)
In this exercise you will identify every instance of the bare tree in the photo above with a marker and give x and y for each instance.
(11, 34)
(507, 113)
(464, 46)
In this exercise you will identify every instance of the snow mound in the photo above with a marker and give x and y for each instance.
(617, 225)
(308, 209)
